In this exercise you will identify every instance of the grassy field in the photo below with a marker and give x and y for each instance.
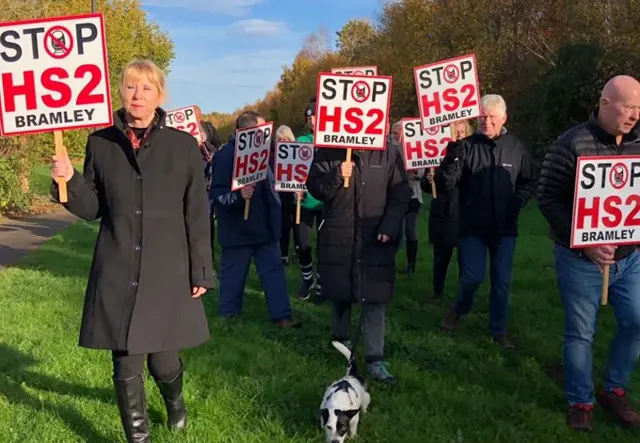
(254, 383)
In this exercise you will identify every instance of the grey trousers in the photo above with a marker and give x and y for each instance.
(373, 328)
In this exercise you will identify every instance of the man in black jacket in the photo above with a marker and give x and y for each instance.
(494, 174)
(613, 129)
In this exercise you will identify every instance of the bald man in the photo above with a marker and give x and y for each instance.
(612, 129)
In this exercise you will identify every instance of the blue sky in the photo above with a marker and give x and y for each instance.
(230, 52)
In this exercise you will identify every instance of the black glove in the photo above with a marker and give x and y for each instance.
(454, 150)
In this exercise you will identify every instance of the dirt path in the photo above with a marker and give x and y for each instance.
(19, 236)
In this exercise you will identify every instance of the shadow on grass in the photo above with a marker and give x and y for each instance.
(15, 377)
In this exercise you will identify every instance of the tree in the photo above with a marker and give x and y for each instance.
(548, 58)
(354, 39)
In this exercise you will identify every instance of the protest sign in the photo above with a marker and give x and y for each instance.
(251, 157)
(423, 148)
(292, 163)
(448, 91)
(352, 111)
(606, 208)
(185, 119)
(53, 77)
(356, 70)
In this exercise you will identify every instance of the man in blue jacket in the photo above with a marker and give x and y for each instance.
(257, 237)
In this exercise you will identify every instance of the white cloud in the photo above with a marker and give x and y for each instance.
(256, 27)
(237, 8)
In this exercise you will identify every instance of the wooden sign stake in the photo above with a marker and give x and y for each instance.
(61, 152)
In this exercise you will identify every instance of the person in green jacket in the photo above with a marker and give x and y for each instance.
(310, 212)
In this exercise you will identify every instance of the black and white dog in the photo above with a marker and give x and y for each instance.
(343, 402)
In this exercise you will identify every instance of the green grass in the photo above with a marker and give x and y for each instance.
(254, 383)
(40, 179)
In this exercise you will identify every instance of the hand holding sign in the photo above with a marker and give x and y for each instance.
(247, 192)
(62, 168)
(346, 169)
(601, 255)
(606, 209)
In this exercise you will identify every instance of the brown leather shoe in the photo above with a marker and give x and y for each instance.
(580, 417)
(503, 340)
(616, 402)
(450, 321)
(289, 323)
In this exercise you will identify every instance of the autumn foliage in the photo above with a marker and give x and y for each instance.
(548, 58)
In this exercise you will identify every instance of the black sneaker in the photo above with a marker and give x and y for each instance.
(304, 293)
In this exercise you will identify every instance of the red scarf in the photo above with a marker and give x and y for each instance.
(135, 141)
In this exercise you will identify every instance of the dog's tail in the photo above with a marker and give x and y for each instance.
(342, 349)
(352, 369)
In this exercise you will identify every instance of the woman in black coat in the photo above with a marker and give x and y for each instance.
(443, 222)
(356, 249)
(152, 259)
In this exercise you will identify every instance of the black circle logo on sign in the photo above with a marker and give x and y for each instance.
(179, 117)
(451, 73)
(58, 42)
(258, 138)
(360, 91)
(304, 153)
(619, 176)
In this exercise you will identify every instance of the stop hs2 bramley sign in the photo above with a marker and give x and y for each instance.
(54, 75)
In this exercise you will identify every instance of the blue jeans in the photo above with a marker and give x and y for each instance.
(234, 267)
(580, 284)
(473, 262)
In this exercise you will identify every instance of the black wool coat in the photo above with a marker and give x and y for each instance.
(353, 264)
(154, 240)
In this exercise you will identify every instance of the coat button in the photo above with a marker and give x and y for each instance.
(138, 248)
(138, 177)
(134, 284)
(138, 212)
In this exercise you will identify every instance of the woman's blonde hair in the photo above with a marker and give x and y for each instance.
(138, 69)
(468, 130)
(285, 133)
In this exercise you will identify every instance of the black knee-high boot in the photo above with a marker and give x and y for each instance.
(171, 392)
(132, 403)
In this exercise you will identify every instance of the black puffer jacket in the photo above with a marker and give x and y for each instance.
(556, 185)
(353, 263)
(495, 179)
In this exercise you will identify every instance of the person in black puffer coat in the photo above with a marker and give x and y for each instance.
(443, 223)
(356, 239)
(612, 130)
